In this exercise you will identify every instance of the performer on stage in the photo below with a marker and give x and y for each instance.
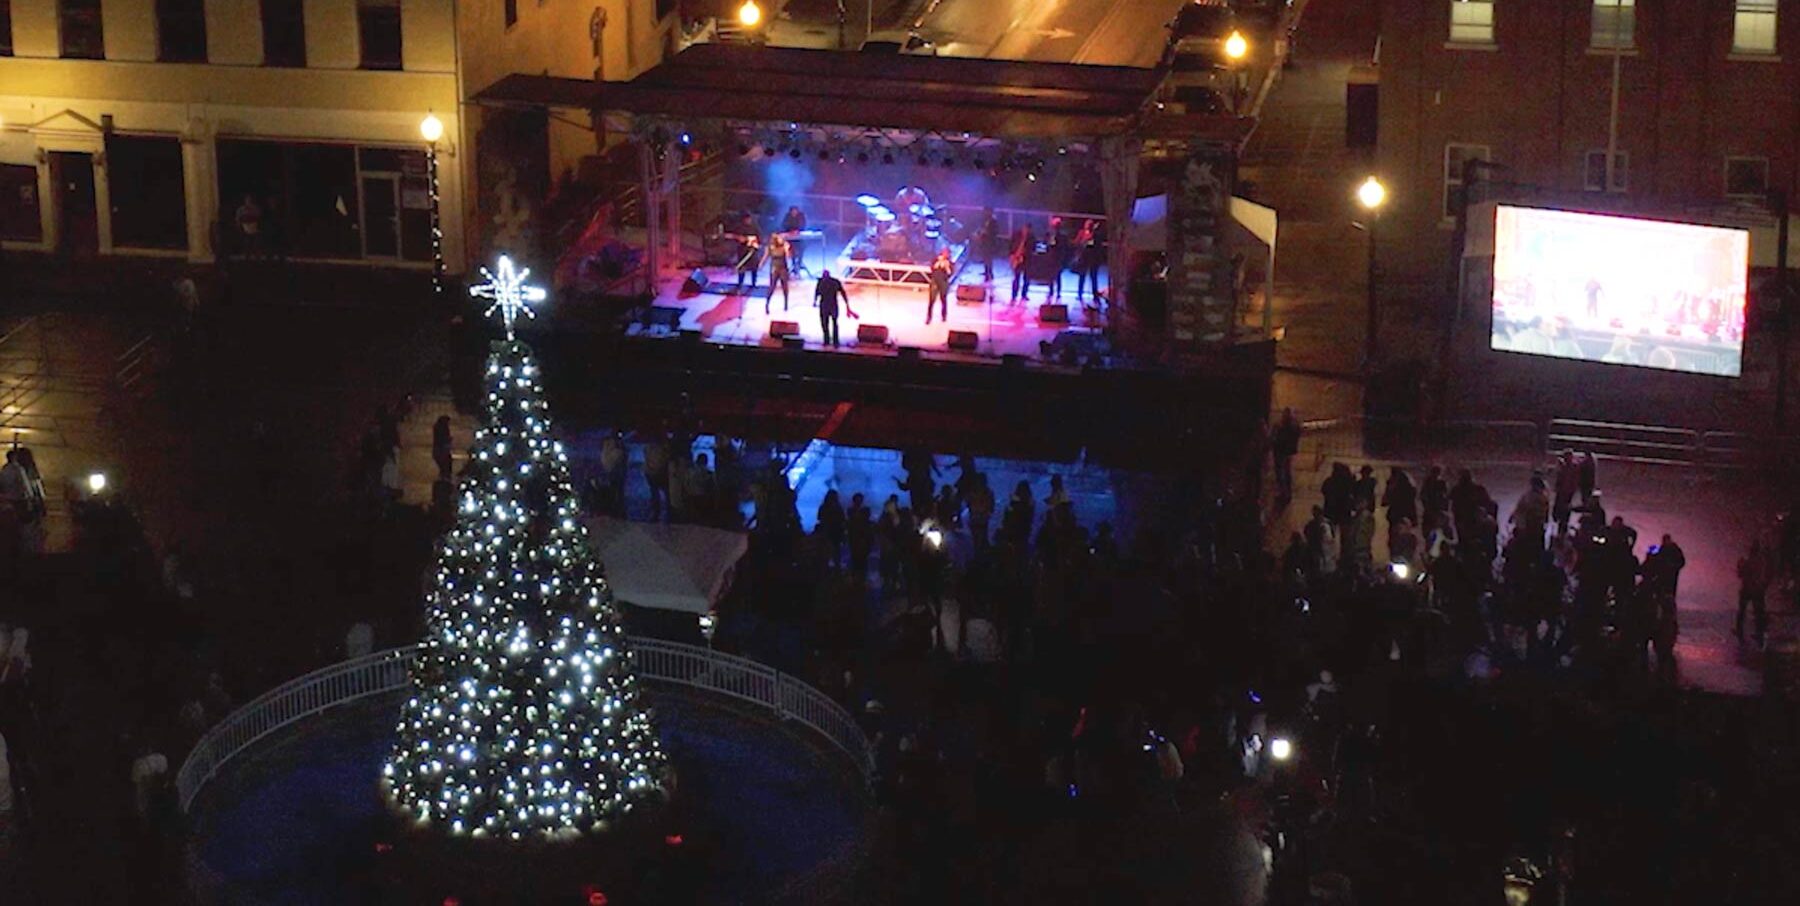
(1090, 253)
(1023, 242)
(985, 242)
(938, 292)
(748, 262)
(779, 249)
(793, 223)
(1059, 257)
(828, 292)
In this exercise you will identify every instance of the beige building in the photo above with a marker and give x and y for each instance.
(295, 124)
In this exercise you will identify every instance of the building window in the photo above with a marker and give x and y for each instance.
(1456, 158)
(181, 31)
(78, 24)
(1471, 21)
(147, 194)
(1753, 27)
(379, 22)
(1746, 177)
(6, 28)
(1593, 177)
(511, 8)
(1615, 23)
(284, 32)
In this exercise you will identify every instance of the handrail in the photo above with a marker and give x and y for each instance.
(389, 671)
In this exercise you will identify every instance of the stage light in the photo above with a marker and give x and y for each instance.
(1032, 176)
(768, 150)
(948, 163)
(887, 158)
(749, 15)
(686, 139)
(1280, 749)
(862, 157)
(794, 153)
(743, 150)
(980, 164)
(824, 154)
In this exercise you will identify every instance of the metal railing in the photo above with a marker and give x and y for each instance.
(388, 671)
(1359, 439)
(1649, 444)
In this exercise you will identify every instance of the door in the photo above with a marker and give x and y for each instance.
(77, 215)
(381, 215)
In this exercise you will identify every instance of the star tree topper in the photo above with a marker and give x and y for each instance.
(510, 293)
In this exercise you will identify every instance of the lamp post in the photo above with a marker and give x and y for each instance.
(1237, 48)
(431, 129)
(749, 15)
(1371, 195)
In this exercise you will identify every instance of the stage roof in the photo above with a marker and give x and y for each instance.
(990, 98)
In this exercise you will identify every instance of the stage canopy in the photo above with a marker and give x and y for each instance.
(996, 99)
(685, 568)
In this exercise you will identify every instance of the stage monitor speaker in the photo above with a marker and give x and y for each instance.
(780, 329)
(1012, 361)
(875, 334)
(971, 293)
(695, 284)
(663, 317)
(793, 342)
(964, 340)
(1053, 313)
(691, 337)
(909, 353)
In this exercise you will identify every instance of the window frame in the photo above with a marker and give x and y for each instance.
(6, 28)
(1452, 176)
(1747, 158)
(1623, 14)
(1769, 10)
(78, 10)
(289, 8)
(1489, 5)
(180, 19)
(364, 10)
(1621, 172)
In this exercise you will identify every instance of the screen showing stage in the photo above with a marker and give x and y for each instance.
(1620, 290)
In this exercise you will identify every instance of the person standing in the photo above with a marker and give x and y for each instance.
(748, 262)
(779, 251)
(656, 475)
(1753, 587)
(440, 446)
(1662, 568)
(249, 224)
(985, 240)
(938, 288)
(828, 292)
(980, 498)
(1284, 443)
(859, 532)
(1059, 257)
(1024, 242)
(1568, 481)
(613, 459)
(830, 528)
(1401, 499)
(1530, 515)
(1087, 259)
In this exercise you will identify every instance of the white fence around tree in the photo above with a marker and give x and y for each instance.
(786, 698)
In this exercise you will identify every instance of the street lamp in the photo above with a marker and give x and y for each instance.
(1237, 47)
(749, 15)
(431, 129)
(1371, 195)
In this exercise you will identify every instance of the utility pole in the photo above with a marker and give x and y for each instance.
(1612, 120)
(1783, 310)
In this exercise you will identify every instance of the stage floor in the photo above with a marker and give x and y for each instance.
(1001, 328)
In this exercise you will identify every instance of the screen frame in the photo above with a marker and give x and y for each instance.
(1642, 370)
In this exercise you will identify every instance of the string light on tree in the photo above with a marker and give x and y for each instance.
(510, 292)
(525, 717)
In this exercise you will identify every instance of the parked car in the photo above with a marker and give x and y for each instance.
(1197, 36)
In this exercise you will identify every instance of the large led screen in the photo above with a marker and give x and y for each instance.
(1620, 290)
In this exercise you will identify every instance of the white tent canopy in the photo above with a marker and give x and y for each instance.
(686, 568)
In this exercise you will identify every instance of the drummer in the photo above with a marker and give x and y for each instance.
(793, 223)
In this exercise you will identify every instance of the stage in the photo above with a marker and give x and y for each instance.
(998, 328)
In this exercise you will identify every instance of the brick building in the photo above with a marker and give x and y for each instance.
(1708, 113)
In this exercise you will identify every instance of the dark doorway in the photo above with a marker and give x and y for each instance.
(77, 223)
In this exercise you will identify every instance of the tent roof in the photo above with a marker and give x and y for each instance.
(991, 98)
(668, 567)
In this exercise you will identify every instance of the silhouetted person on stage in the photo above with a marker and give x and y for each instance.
(938, 290)
(1024, 241)
(1753, 587)
(748, 263)
(986, 242)
(828, 292)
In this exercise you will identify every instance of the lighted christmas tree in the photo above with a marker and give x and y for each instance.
(525, 718)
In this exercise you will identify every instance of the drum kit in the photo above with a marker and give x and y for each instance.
(910, 231)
